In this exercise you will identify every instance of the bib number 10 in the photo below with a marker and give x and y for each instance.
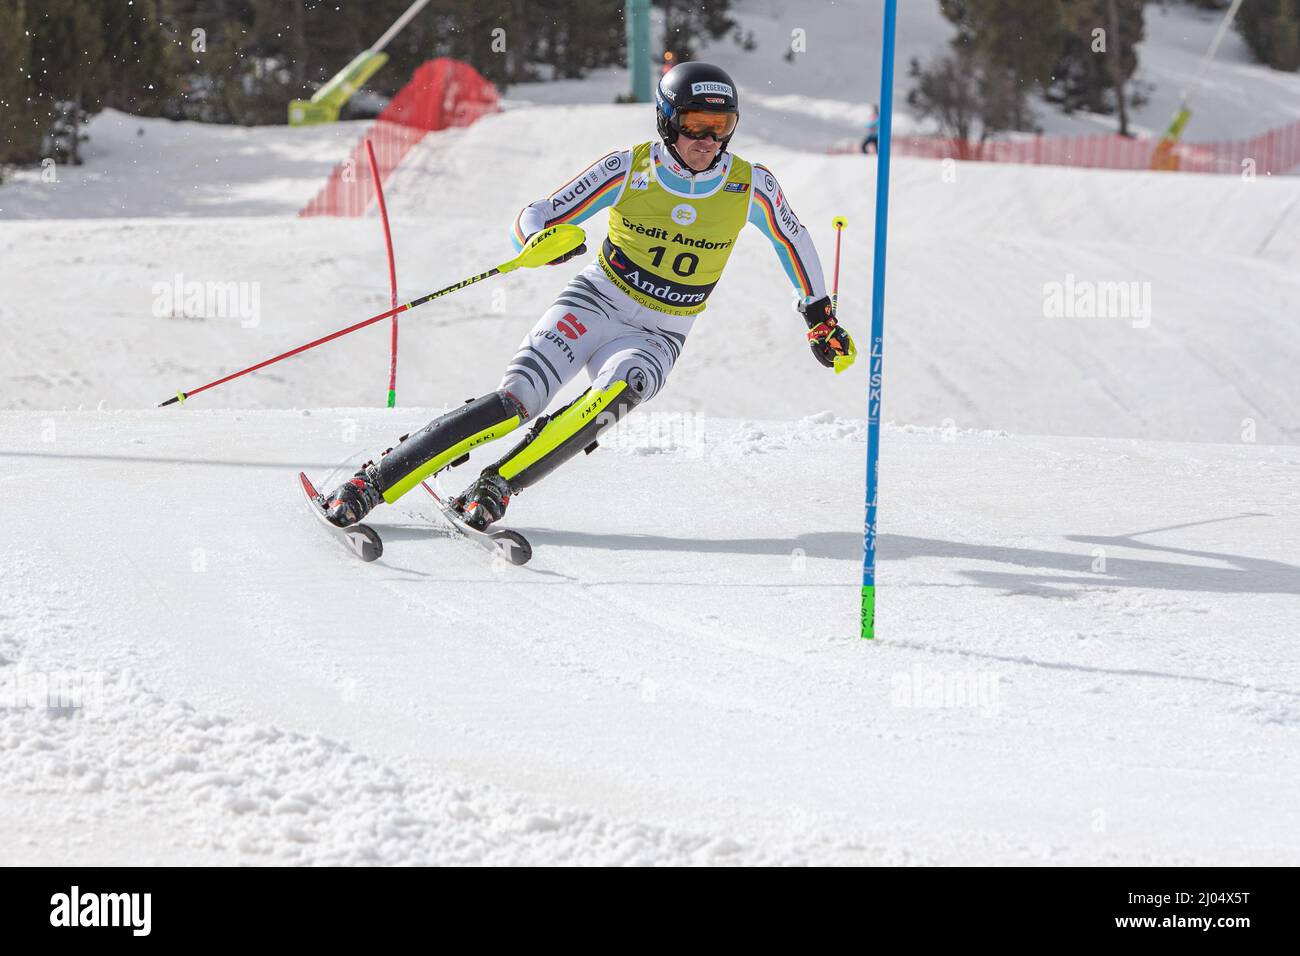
(684, 265)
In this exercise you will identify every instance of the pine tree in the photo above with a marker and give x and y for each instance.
(1021, 39)
(688, 23)
(137, 69)
(1271, 28)
(1081, 53)
(20, 133)
(1098, 57)
(67, 51)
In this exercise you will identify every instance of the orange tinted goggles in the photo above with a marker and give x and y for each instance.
(697, 124)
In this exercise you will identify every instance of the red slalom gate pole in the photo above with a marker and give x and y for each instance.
(392, 271)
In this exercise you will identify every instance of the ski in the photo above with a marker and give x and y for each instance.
(511, 545)
(362, 540)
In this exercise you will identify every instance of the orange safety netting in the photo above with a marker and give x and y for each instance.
(441, 93)
(1269, 154)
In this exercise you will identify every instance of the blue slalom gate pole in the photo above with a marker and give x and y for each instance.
(878, 318)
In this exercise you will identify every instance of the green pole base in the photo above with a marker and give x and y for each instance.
(868, 612)
(392, 398)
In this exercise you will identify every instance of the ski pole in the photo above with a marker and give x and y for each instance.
(839, 222)
(842, 362)
(543, 248)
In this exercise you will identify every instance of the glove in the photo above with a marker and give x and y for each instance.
(569, 255)
(831, 345)
(581, 250)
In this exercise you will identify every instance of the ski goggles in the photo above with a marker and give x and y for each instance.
(700, 124)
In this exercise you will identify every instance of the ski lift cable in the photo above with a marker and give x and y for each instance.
(1219, 34)
(406, 18)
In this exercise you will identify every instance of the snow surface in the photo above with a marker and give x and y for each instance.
(1086, 652)
(1089, 584)
(141, 166)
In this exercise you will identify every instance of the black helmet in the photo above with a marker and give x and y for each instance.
(694, 86)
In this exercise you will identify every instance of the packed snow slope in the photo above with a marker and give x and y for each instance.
(137, 166)
(1086, 651)
(974, 249)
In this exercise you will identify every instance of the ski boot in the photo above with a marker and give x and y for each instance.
(483, 502)
(354, 499)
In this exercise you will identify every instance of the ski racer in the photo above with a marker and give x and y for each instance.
(675, 209)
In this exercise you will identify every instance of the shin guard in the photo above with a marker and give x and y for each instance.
(554, 439)
(443, 440)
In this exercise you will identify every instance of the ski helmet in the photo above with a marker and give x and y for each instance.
(695, 87)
